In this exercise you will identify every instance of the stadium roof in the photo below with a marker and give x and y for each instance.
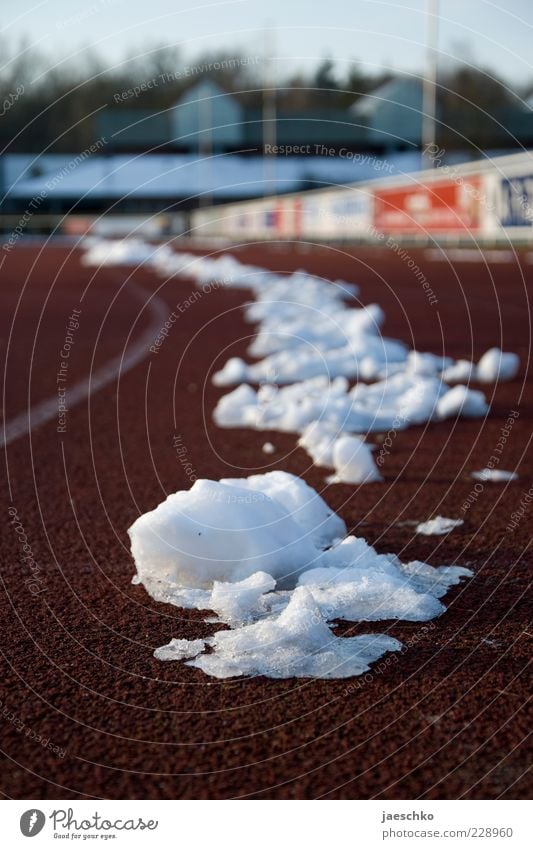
(181, 176)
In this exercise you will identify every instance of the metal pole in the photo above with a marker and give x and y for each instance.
(269, 116)
(205, 149)
(429, 89)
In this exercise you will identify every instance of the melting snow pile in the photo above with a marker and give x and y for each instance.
(311, 339)
(272, 560)
(266, 554)
(366, 407)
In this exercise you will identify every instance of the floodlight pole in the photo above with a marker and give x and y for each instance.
(269, 116)
(429, 89)
(205, 149)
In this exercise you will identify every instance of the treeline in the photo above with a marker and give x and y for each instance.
(53, 107)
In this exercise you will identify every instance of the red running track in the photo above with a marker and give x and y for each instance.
(85, 709)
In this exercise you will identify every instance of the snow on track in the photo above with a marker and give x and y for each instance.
(312, 343)
(266, 554)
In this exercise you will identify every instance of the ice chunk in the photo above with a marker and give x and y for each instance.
(398, 401)
(353, 461)
(358, 584)
(242, 601)
(324, 325)
(348, 455)
(438, 526)
(311, 341)
(237, 407)
(461, 401)
(225, 532)
(234, 371)
(435, 580)
(344, 340)
(494, 475)
(426, 364)
(496, 365)
(296, 644)
(317, 521)
(179, 649)
(459, 372)
(318, 439)
(207, 548)
(307, 361)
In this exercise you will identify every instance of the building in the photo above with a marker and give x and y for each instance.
(392, 114)
(207, 148)
(208, 119)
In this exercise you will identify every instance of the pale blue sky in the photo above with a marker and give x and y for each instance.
(376, 32)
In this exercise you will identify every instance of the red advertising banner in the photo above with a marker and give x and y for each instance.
(443, 206)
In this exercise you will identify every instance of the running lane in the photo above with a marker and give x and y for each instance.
(86, 710)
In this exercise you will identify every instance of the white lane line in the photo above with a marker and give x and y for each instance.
(47, 410)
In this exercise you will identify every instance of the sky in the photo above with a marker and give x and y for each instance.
(376, 33)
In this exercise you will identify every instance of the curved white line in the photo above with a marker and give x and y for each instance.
(48, 410)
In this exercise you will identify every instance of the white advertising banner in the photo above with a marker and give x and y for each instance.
(337, 214)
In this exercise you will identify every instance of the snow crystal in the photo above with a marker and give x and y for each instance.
(438, 526)
(268, 448)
